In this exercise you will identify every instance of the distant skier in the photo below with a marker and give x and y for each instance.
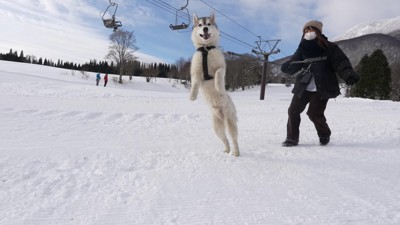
(105, 79)
(98, 78)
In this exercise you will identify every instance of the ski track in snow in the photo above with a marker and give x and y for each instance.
(74, 153)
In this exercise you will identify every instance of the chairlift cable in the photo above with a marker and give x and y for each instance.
(161, 6)
(236, 39)
(174, 10)
(171, 7)
(229, 18)
(166, 5)
(168, 8)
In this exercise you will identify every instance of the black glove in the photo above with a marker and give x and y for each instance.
(286, 66)
(351, 80)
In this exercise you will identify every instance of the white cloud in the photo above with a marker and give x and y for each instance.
(67, 30)
(341, 15)
(49, 37)
(72, 30)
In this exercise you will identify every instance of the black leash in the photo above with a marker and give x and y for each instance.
(310, 60)
(204, 52)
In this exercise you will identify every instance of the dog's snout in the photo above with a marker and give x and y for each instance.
(205, 29)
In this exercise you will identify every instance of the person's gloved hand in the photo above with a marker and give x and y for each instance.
(286, 66)
(352, 80)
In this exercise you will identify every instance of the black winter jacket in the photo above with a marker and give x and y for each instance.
(324, 71)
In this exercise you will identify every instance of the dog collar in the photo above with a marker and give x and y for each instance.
(204, 52)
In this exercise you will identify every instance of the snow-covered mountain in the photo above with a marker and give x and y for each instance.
(386, 26)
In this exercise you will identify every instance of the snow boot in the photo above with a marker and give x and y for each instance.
(289, 143)
(324, 141)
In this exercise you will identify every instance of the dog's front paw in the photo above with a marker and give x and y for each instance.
(193, 94)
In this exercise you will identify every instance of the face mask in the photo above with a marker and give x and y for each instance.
(310, 36)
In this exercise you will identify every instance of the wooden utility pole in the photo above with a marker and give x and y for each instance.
(260, 51)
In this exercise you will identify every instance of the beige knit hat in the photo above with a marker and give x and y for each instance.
(313, 23)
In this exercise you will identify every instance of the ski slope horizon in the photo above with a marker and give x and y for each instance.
(143, 153)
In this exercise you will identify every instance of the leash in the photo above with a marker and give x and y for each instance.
(310, 60)
(204, 53)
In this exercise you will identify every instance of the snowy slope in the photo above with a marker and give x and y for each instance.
(142, 153)
(382, 26)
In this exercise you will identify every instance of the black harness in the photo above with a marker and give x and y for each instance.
(204, 53)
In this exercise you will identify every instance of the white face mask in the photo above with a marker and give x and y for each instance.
(310, 35)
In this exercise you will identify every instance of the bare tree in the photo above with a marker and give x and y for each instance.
(131, 67)
(241, 72)
(173, 73)
(184, 72)
(150, 72)
(180, 63)
(122, 49)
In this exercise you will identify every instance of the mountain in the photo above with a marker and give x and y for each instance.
(356, 48)
(395, 34)
(365, 38)
(387, 26)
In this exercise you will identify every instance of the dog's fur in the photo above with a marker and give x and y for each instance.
(205, 33)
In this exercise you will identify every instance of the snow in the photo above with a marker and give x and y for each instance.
(382, 26)
(142, 153)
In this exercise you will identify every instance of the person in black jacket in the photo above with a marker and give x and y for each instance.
(316, 81)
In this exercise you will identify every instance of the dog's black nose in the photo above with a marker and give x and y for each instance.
(205, 29)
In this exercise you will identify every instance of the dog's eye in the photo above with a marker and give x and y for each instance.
(200, 25)
(209, 24)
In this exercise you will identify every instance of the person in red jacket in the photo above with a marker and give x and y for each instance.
(105, 79)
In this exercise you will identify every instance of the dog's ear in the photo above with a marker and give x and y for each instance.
(212, 17)
(195, 19)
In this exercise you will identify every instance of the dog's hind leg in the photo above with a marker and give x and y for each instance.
(219, 129)
(233, 132)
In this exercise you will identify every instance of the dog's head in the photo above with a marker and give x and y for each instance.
(205, 31)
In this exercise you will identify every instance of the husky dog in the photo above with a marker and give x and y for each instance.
(207, 71)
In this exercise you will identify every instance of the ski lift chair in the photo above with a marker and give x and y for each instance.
(183, 25)
(179, 26)
(111, 22)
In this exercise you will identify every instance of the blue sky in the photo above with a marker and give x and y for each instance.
(72, 30)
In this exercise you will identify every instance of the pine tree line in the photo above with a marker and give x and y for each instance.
(135, 68)
(15, 57)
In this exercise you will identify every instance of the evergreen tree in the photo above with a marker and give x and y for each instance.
(21, 57)
(375, 76)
